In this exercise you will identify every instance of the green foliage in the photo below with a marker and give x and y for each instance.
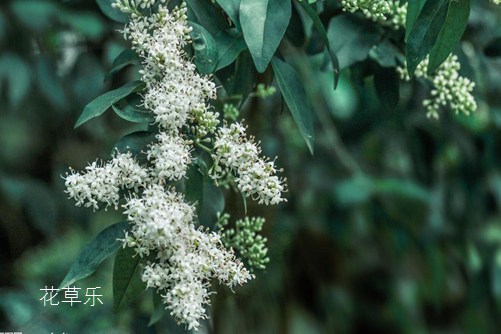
(450, 33)
(127, 283)
(101, 247)
(204, 47)
(102, 103)
(295, 96)
(263, 24)
(437, 31)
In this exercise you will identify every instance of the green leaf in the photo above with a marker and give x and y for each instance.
(95, 252)
(295, 97)
(194, 183)
(351, 38)
(263, 24)
(158, 309)
(100, 104)
(232, 8)
(245, 75)
(204, 47)
(112, 13)
(125, 58)
(205, 13)
(387, 81)
(130, 110)
(319, 26)
(127, 283)
(450, 34)
(425, 32)
(136, 143)
(229, 46)
(413, 9)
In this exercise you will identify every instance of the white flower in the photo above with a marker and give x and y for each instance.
(102, 183)
(170, 157)
(174, 89)
(255, 176)
(188, 258)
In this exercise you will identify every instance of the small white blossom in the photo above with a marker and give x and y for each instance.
(255, 176)
(101, 183)
(170, 157)
(175, 92)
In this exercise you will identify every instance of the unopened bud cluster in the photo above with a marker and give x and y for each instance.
(245, 239)
(373, 9)
(183, 258)
(450, 89)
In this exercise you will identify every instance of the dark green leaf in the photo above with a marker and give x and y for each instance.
(319, 26)
(386, 81)
(127, 283)
(450, 34)
(231, 7)
(245, 74)
(158, 309)
(295, 97)
(136, 143)
(206, 14)
(351, 38)
(493, 49)
(95, 252)
(263, 24)
(125, 58)
(194, 183)
(100, 104)
(229, 46)
(413, 9)
(424, 32)
(112, 13)
(130, 110)
(204, 47)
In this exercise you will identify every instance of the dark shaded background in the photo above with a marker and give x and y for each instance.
(392, 226)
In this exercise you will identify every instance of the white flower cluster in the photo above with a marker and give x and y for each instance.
(255, 176)
(163, 224)
(449, 87)
(175, 92)
(187, 258)
(372, 9)
(170, 157)
(101, 183)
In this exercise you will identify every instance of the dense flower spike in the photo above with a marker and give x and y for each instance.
(175, 92)
(255, 177)
(188, 258)
(183, 259)
(450, 89)
(170, 157)
(102, 183)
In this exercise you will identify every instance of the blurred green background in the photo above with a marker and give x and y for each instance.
(392, 226)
